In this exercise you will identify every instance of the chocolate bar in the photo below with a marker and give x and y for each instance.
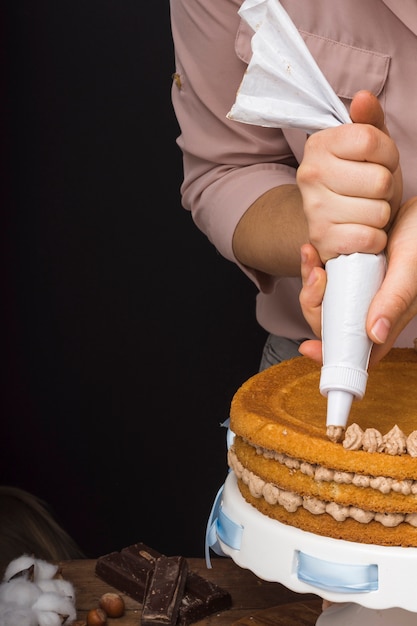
(113, 570)
(213, 597)
(129, 569)
(201, 598)
(164, 591)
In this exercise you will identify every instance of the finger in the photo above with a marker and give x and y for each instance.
(311, 298)
(314, 283)
(312, 348)
(310, 259)
(395, 304)
(366, 109)
(349, 238)
(363, 145)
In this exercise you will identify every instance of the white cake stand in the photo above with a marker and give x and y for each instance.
(308, 563)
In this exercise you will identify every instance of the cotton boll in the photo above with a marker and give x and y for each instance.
(58, 585)
(20, 592)
(50, 603)
(17, 617)
(49, 618)
(44, 570)
(23, 565)
(32, 595)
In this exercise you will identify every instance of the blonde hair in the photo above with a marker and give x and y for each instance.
(28, 527)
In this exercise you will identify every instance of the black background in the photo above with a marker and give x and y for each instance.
(124, 334)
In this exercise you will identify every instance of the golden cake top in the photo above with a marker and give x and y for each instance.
(282, 409)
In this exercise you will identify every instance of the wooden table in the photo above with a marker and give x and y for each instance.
(255, 601)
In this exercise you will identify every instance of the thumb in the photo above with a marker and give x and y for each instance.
(394, 305)
(366, 109)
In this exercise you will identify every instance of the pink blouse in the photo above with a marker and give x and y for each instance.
(360, 44)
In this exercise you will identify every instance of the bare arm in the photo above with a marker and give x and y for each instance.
(269, 235)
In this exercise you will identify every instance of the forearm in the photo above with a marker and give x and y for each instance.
(269, 235)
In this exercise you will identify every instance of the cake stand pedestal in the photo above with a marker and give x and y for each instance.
(361, 576)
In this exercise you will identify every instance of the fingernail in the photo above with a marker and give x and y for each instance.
(380, 330)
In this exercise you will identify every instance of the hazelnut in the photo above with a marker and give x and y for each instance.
(112, 604)
(96, 617)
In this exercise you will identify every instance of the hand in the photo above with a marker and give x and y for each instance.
(351, 183)
(360, 175)
(394, 305)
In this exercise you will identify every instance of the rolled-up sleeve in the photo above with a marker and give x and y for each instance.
(227, 164)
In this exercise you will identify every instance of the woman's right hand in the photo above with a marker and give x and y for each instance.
(350, 182)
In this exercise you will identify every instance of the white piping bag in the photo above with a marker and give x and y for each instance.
(352, 282)
(283, 87)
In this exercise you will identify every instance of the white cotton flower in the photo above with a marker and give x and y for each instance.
(58, 585)
(44, 570)
(49, 618)
(19, 592)
(27, 566)
(12, 616)
(31, 595)
(50, 602)
(23, 565)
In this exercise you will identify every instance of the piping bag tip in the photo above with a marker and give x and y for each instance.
(339, 403)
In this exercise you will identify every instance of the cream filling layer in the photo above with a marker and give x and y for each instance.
(384, 484)
(291, 501)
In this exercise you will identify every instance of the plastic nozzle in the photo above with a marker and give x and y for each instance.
(339, 404)
(341, 384)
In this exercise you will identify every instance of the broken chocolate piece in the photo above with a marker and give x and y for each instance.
(201, 597)
(128, 570)
(214, 597)
(164, 591)
(130, 580)
(191, 610)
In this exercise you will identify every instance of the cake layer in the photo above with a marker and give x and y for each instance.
(323, 524)
(363, 489)
(282, 409)
(289, 478)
